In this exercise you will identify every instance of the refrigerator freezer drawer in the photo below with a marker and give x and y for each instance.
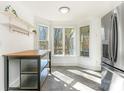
(112, 79)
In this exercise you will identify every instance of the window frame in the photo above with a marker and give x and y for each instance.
(63, 40)
(38, 34)
(80, 41)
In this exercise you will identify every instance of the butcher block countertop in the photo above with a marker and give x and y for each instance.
(28, 53)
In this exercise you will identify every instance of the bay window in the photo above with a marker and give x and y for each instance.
(58, 41)
(84, 41)
(64, 39)
(69, 41)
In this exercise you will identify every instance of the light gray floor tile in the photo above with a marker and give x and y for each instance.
(72, 79)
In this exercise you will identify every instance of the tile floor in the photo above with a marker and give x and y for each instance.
(72, 79)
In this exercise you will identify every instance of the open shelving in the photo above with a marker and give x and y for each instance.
(29, 81)
(29, 73)
(17, 18)
(31, 70)
(17, 24)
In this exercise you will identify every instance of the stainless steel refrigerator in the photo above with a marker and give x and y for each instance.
(113, 50)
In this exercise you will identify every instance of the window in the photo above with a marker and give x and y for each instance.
(69, 41)
(58, 41)
(64, 41)
(43, 37)
(84, 41)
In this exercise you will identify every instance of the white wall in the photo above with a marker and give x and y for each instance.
(12, 41)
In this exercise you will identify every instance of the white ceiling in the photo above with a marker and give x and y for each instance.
(79, 10)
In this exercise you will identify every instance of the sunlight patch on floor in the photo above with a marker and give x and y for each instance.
(93, 72)
(56, 79)
(90, 77)
(62, 77)
(65, 85)
(117, 83)
(82, 87)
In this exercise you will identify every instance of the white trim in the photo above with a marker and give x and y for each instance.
(63, 41)
(64, 56)
(42, 40)
(61, 64)
(63, 26)
(94, 68)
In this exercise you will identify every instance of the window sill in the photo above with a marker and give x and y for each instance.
(63, 55)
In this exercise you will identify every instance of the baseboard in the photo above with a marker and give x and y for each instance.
(66, 64)
(94, 68)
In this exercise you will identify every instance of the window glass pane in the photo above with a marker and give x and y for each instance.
(58, 46)
(43, 37)
(84, 41)
(43, 45)
(69, 41)
(43, 32)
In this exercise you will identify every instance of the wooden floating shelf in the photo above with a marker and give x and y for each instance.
(18, 29)
(11, 15)
(24, 28)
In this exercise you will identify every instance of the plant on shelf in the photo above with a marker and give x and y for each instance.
(10, 9)
(7, 8)
(34, 31)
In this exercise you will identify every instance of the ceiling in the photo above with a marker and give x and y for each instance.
(79, 10)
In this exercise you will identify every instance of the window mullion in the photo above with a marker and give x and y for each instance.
(63, 41)
(53, 47)
(48, 36)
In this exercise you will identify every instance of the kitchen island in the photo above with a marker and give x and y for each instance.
(26, 70)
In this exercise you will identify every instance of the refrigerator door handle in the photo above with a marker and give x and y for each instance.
(115, 46)
(111, 40)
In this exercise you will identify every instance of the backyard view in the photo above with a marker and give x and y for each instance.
(64, 44)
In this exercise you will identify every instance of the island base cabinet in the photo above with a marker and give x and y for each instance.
(14, 73)
(29, 82)
(26, 70)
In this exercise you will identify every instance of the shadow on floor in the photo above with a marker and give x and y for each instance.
(72, 79)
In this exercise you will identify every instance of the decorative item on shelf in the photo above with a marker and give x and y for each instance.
(10, 9)
(22, 32)
(34, 31)
(16, 23)
(14, 12)
(7, 8)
